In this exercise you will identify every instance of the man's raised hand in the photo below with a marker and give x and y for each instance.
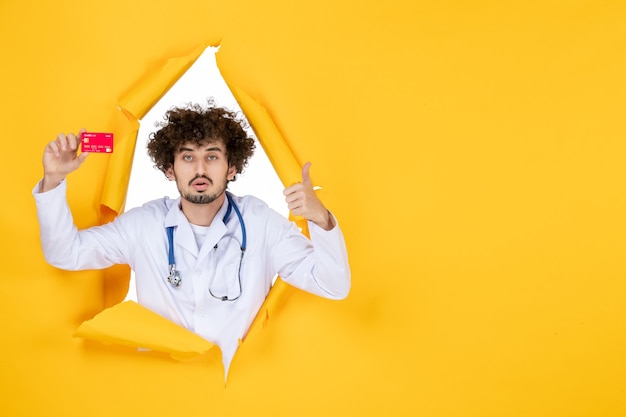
(302, 201)
(61, 158)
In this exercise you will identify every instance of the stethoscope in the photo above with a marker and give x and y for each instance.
(175, 278)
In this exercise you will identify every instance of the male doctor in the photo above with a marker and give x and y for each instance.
(207, 259)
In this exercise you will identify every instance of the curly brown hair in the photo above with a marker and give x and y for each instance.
(198, 125)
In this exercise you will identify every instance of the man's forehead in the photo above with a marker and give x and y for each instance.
(205, 145)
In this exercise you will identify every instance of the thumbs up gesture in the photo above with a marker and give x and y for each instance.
(302, 201)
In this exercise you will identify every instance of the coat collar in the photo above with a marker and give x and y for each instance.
(183, 234)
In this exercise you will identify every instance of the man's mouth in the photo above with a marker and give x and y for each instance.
(200, 184)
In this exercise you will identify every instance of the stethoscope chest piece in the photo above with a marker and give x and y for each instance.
(174, 278)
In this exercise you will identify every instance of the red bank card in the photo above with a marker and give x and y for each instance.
(97, 142)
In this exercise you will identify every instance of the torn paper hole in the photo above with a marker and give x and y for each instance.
(199, 83)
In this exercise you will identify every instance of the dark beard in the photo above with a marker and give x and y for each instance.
(201, 198)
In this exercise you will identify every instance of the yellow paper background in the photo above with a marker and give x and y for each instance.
(472, 151)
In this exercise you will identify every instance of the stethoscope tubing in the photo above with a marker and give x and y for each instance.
(174, 277)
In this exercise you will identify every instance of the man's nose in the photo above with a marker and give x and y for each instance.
(201, 167)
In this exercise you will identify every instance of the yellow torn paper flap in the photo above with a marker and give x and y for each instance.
(130, 324)
(278, 152)
(289, 171)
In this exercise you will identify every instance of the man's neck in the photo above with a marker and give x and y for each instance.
(201, 214)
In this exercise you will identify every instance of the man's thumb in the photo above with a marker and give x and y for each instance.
(306, 178)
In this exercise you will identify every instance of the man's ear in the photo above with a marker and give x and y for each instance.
(232, 171)
(169, 173)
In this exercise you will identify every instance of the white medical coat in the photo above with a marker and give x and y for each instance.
(138, 238)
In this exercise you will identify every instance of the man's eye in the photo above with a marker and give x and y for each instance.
(187, 158)
(212, 157)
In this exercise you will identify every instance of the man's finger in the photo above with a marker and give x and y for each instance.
(306, 178)
(72, 141)
(81, 158)
(79, 137)
(61, 142)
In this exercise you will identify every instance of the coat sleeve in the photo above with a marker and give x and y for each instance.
(65, 247)
(319, 265)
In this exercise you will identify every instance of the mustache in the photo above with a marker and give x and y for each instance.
(210, 181)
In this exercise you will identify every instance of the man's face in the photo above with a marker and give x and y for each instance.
(201, 172)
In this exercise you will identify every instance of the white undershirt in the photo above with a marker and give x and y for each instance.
(200, 233)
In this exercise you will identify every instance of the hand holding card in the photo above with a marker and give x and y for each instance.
(96, 142)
